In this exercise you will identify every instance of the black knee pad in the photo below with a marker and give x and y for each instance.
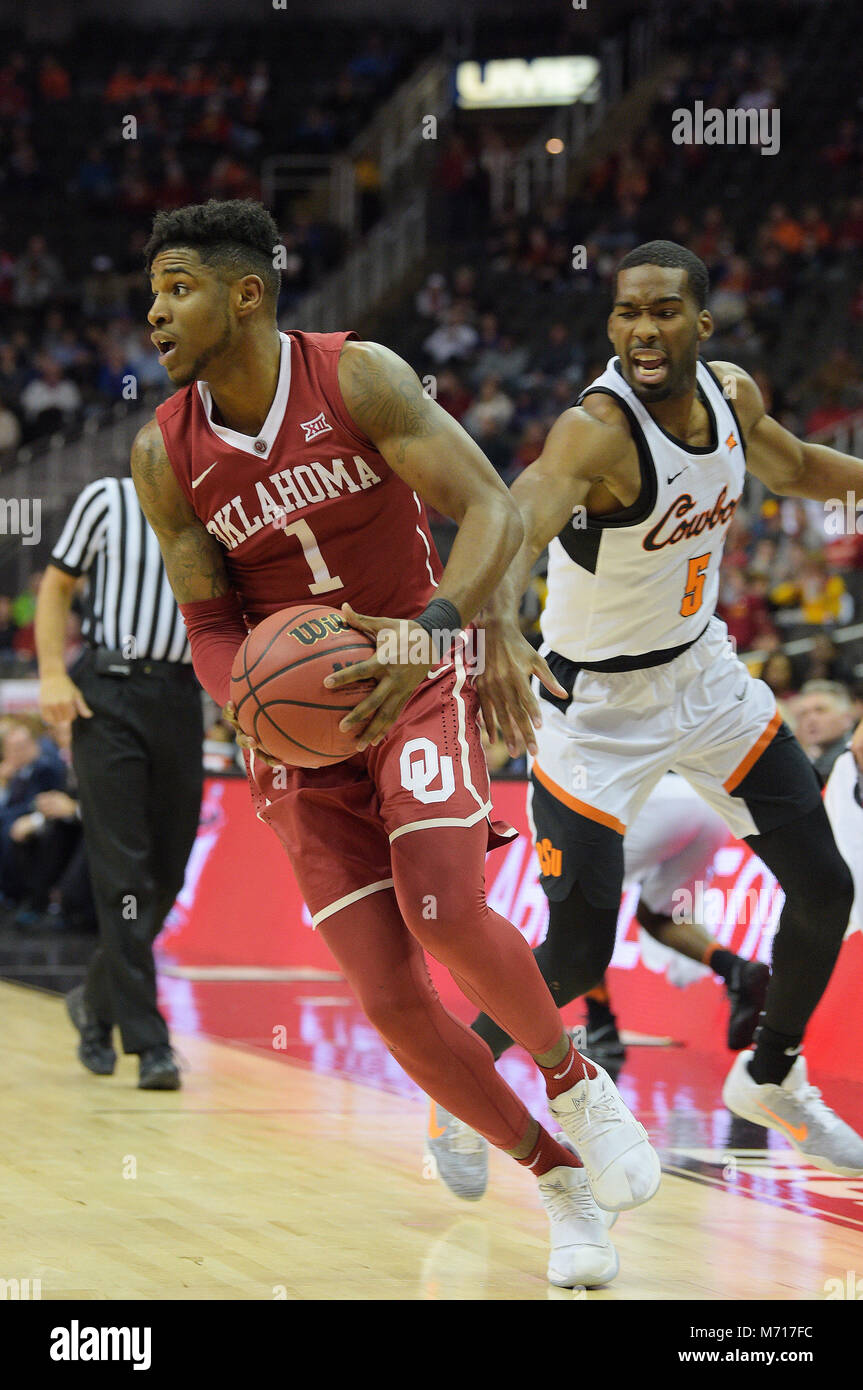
(578, 947)
(815, 878)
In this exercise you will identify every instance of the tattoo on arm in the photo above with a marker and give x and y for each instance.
(194, 566)
(385, 397)
(193, 560)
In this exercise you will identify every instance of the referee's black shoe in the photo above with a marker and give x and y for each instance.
(158, 1070)
(94, 1049)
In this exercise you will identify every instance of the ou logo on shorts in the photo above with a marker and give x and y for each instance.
(421, 764)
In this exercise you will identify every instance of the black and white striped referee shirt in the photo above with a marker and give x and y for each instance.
(108, 538)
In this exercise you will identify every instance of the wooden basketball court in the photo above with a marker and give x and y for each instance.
(263, 1179)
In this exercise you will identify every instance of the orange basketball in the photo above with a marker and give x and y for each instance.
(277, 685)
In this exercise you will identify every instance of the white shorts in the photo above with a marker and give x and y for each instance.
(701, 715)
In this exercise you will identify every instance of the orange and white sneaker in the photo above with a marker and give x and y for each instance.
(461, 1155)
(796, 1111)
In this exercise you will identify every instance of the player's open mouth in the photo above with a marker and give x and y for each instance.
(649, 367)
(167, 347)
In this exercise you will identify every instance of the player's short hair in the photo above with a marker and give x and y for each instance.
(670, 256)
(237, 237)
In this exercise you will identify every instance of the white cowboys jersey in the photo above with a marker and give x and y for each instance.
(647, 578)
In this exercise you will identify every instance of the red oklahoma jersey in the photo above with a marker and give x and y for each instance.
(309, 509)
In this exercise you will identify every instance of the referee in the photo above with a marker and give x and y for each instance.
(137, 732)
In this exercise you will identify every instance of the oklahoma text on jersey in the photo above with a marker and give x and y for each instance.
(308, 508)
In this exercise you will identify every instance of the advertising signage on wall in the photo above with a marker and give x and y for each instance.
(515, 82)
(229, 919)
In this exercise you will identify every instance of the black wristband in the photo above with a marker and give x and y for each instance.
(440, 617)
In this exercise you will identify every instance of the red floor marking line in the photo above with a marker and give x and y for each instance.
(770, 1199)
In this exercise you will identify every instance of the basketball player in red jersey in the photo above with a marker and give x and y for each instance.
(287, 467)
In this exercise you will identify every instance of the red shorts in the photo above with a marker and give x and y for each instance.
(337, 822)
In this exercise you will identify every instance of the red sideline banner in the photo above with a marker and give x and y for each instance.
(240, 906)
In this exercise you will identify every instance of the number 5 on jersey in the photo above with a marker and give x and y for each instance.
(696, 574)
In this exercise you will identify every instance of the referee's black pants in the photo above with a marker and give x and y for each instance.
(139, 766)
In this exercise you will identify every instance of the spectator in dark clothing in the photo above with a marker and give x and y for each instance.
(43, 844)
(27, 770)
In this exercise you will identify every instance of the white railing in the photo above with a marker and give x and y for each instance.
(395, 136)
(379, 262)
(391, 140)
(399, 240)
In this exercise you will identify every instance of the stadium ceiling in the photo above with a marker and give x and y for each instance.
(50, 19)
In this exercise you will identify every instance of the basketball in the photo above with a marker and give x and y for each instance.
(277, 685)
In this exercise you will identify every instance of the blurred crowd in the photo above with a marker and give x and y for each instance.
(74, 340)
(505, 329)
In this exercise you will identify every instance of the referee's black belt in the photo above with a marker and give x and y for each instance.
(116, 663)
(566, 671)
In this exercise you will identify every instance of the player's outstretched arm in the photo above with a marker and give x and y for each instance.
(586, 446)
(789, 466)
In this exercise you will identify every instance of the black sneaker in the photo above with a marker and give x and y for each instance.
(603, 1040)
(746, 988)
(94, 1050)
(158, 1070)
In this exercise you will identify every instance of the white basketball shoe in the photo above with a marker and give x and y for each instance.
(622, 1164)
(796, 1111)
(581, 1254)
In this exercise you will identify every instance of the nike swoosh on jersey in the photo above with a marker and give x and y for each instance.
(798, 1132)
(201, 476)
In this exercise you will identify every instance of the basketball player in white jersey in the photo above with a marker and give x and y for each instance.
(633, 494)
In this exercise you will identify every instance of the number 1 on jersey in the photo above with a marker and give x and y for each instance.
(695, 576)
(324, 582)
